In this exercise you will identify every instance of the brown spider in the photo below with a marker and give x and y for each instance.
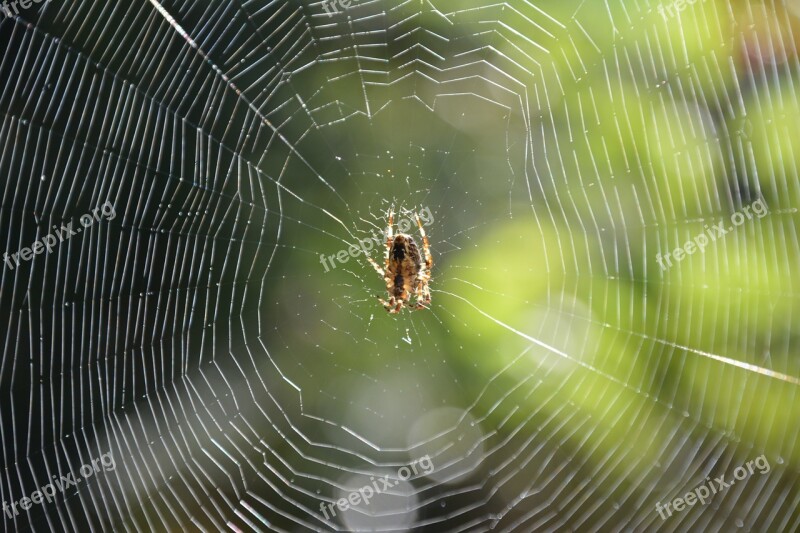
(405, 272)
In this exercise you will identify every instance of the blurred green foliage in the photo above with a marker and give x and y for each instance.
(642, 132)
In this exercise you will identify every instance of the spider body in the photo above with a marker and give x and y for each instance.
(406, 271)
(405, 264)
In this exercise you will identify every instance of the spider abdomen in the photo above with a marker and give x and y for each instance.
(404, 266)
(404, 272)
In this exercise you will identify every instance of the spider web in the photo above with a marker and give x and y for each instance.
(561, 379)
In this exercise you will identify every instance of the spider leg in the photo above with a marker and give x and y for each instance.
(382, 272)
(376, 267)
(388, 239)
(426, 246)
(422, 291)
(393, 306)
(427, 295)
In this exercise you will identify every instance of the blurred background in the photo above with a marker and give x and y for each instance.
(222, 339)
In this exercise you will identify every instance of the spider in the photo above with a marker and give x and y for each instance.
(405, 272)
